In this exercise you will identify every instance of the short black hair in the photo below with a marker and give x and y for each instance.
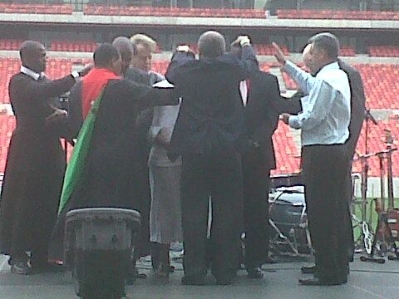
(326, 41)
(104, 54)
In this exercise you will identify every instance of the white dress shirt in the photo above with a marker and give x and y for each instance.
(31, 73)
(244, 92)
(326, 108)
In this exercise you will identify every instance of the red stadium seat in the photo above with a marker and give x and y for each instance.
(336, 14)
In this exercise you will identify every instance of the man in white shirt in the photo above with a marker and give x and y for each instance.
(324, 122)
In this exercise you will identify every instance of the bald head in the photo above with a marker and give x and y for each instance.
(211, 44)
(33, 56)
(125, 49)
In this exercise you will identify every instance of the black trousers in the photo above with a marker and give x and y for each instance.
(217, 176)
(325, 176)
(349, 229)
(256, 184)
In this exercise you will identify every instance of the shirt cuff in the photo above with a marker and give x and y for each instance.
(289, 66)
(75, 74)
(245, 41)
(293, 122)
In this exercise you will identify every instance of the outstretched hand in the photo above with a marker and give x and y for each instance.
(87, 68)
(278, 53)
(242, 40)
(186, 49)
(183, 48)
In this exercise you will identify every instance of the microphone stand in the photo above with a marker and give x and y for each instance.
(365, 165)
(366, 236)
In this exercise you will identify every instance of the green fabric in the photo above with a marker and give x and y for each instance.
(77, 162)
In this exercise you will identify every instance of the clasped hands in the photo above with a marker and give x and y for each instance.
(56, 116)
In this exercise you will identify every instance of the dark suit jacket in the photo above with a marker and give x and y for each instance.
(358, 108)
(211, 112)
(261, 115)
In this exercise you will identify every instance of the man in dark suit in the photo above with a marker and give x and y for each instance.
(35, 164)
(358, 113)
(206, 134)
(259, 93)
(358, 108)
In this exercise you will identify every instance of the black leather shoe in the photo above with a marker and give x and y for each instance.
(255, 273)
(308, 270)
(313, 270)
(193, 281)
(321, 282)
(48, 268)
(224, 281)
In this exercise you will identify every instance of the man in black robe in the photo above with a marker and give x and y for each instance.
(35, 164)
(110, 172)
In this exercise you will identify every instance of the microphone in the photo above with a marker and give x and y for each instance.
(370, 116)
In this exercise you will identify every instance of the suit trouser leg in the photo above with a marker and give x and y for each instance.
(325, 169)
(227, 224)
(348, 221)
(256, 209)
(195, 193)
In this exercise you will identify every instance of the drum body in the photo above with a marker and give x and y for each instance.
(285, 180)
(99, 244)
(289, 220)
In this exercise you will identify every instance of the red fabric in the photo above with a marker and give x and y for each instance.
(248, 85)
(92, 85)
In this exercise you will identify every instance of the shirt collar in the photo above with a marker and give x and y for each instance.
(31, 73)
(331, 66)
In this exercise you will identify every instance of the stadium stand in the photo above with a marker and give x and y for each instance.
(21, 8)
(336, 14)
(347, 51)
(381, 85)
(379, 78)
(73, 46)
(383, 51)
(287, 153)
(268, 49)
(172, 11)
(10, 44)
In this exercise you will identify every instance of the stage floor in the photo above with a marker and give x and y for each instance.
(366, 281)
